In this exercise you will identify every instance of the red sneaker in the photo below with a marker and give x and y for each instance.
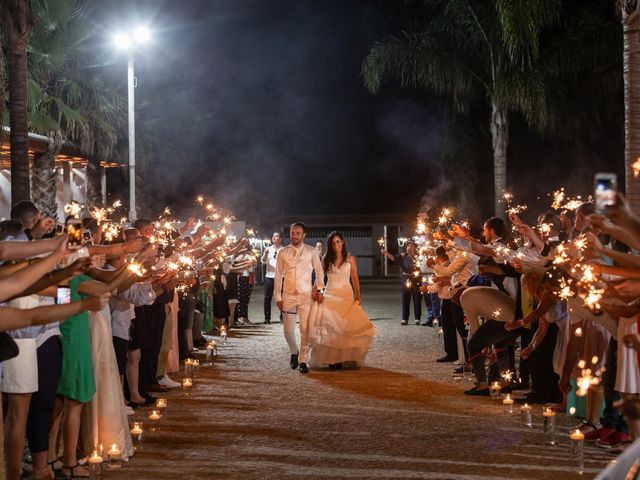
(612, 441)
(598, 434)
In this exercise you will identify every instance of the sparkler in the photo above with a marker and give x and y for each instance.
(381, 242)
(636, 167)
(74, 209)
(445, 216)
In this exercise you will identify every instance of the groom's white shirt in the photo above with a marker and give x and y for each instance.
(295, 264)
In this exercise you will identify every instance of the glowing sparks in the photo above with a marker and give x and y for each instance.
(636, 167)
(445, 216)
(381, 242)
(73, 209)
(496, 313)
(137, 269)
(562, 202)
(507, 376)
(578, 332)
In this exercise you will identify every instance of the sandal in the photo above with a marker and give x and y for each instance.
(72, 471)
(592, 427)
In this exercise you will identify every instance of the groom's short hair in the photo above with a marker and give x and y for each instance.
(299, 224)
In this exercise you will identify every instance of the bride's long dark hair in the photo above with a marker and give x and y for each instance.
(330, 257)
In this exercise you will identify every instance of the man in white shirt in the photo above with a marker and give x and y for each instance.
(269, 261)
(294, 265)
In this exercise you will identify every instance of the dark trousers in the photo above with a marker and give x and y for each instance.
(491, 333)
(244, 295)
(41, 406)
(186, 313)
(413, 292)
(268, 297)
(432, 302)
(156, 318)
(452, 317)
(612, 417)
(543, 379)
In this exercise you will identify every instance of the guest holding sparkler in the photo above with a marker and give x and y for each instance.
(409, 281)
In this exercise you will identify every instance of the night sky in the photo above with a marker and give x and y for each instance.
(260, 105)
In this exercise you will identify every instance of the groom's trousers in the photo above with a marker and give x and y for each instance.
(298, 305)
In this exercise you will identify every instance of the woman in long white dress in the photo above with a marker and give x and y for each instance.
(342, 331)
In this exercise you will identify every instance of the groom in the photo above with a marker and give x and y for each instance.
(295, 263)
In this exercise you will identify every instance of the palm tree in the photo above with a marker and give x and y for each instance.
(18, 22)
(67, 99)
(508, 52)
(631, 72)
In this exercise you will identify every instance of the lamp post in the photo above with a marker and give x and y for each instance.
(129, 42)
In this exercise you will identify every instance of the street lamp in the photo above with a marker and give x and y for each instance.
(128, 42)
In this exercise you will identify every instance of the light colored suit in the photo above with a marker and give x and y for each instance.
(292, 286)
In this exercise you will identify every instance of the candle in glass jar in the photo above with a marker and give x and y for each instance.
(187, 382)
(525, 414)
(155, 415)
(161, 403)
(136, 430)
(549, 424)
(95, 458)
(508, 404)
(494, 390)
(114, 452)
(577, 449)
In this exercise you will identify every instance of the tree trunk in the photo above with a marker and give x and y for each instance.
(631, 72)
(500, 141)
(19, 22)
(94, 182)
(43, 177)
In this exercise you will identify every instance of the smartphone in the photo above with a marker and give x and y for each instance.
(606, 190)
(74, 231)
(87, 238)
(63, 295)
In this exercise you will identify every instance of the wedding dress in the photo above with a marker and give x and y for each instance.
(342, 331)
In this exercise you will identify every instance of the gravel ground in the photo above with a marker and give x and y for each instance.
(402, 416)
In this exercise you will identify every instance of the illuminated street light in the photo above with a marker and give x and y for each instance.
(128, 42)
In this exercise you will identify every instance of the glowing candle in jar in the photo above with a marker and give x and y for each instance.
(577, 449)
(114, 452)
(188, 367)
(136, 431)
(161, 403)
(195, 365)
(155, 415)
(494, 390)
(508, 404)
(549, 426)
(525, 414)
(187, 383)
(95, 458)
(209, 353)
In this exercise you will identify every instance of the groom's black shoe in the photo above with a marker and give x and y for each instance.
(294, 361)
(304, 368)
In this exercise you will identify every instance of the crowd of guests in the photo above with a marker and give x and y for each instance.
(92, 329)
(551, 309)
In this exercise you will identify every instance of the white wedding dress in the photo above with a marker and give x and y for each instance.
(341, 330)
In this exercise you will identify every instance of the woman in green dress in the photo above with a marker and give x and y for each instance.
(77, 383)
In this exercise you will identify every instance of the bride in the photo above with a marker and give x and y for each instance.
(342, 331)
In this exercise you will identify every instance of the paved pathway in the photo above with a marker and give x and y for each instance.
(403, 416)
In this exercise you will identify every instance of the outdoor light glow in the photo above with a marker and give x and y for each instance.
(142, 34)
(122, 41)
